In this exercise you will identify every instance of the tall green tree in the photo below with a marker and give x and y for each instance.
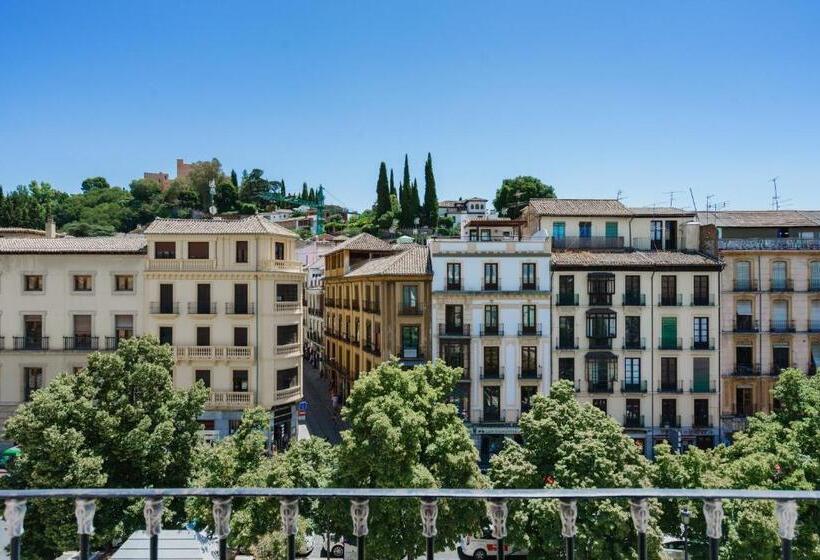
(92, 183)
(393, 191)
(312, 195)
(514, 194)
(382, 191)
(430, 208)
(305, 192)
(567, 444)
(416, 204)
(199, 179)
(234, 179)
(226, 197)
(403, 417)
(119, 423)
(254, 188)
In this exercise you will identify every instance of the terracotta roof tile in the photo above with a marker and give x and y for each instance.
(255, 224)
(636, 259)
(364, 242)
(129, 244)
(413, 261)
(761, 218)
(578, 207)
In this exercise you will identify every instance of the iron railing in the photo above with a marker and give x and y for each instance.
(567, 299)
(587, 242)
(496, 500)
(529, 330)
(202, 308)
(164, 308)
(30, 342)
(248, 308)
(83, 343)
(634, 299)
(491, 330)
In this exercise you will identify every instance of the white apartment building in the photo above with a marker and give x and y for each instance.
(491, 316)
(314, 313)
(462, 210)
(225, 293)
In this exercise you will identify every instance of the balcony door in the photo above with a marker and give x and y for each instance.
(240, 298)
(33, 325)
(166, 298)
(82, 331)
(669, 332)
(700, 375)
(743, 275)
(743, 359)
(454, 318)
(743, 316)
(743, 401)
(203, 298)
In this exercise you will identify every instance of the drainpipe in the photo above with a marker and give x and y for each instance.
(760, 328)
(652, 359)
(256, 335)
(553, 371)
(720, 351)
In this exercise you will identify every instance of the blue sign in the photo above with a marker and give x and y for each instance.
(303, 406)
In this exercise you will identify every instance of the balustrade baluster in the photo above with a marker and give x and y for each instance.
(639, 509)
(429, 514)
(569, 516)
(713, 513)
(497, 512)
(786, 512)
(222, 524)
(84, 512)
(152, 511)
(289, 510)
(359, 510)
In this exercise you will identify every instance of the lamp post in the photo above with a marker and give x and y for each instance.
(685, 517)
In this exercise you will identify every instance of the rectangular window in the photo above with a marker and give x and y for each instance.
(279, 251)
(669, 413)
(632, 289)
(123, 326)
(600, 404)
(669, 333)
(34, 381)
(528, 319)
(240, 380)
(566, 332)
(241, 251)
(780, 316)
(82, 283)
(240, 298)
(454, 356)
(656, 235)
(601, 329)
(287, 334)
(701, 418)
(633, 413)
(166, 298)
(288, 378)
(491, 320)
(198, 250)
(410, 297)
(410, 341)
(203, 298)
(814, 276)
(33, 283)
(203, 375)
(529, 361)
(669, 374)
(671, 235)
(743, 401)
(611, 229)
(492, 403)
(166, 335)
(566, 369)
(124, 283)
(287, 292)
(778, 276)
(632, 374)
(490, 276)
(454, 318)
(781, 358)
(491, 361)
(203, 336)
(743, 275)
(585, 229)
(669, 290)
(566, 290)
(528, 279)
(701, 333)
(527, 394)
(559, 230)
(165, 250)
(632, 332)
(700, 290)
(700, 375)
(453, 276)
(600, 287)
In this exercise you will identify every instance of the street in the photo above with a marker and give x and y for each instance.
(445, 555)
(319, 418)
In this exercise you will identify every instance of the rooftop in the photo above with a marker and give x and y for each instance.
(255, 224)
(364, 242)
(413, 261)
(125, 244)
(761, 218)
(632, 259)
(599, 207)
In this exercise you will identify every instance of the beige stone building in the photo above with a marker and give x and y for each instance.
(377, 302)
(770, 304)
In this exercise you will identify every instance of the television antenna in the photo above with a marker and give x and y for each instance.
(671, 195)
(775, 198)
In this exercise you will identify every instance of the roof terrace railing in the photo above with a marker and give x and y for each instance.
(495, 500)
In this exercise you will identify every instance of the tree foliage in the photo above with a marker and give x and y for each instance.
(382, 191)
(567, 444)
(514, 194)
(119, 423)
(403, 418)
(430, 208)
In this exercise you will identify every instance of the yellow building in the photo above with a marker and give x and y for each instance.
(377, 301)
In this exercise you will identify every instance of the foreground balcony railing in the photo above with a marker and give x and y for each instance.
(496, 501)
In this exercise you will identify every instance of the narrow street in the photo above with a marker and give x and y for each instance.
(319, 418)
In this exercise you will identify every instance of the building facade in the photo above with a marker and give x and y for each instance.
(314, 321)
(463, 209)
(491, 317)
(377, 301)
(770, 304)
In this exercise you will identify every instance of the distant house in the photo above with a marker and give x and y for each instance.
(463, 208)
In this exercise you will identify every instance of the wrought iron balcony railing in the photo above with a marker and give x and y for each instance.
(81, 343)
(492, 372)
(453, 330)
(634, 344)
(702, 300)
(567, 299)
(671, 300)
(31, 343)
(201, 308)
(246, 308)
(164, 307)
(668, 343)
(670, 387)
(634, 386)
(748, 285)
(411, 310)
(633, 420)
(600, 386)
(745, 324)
(491, 330)
(528, 284)
(529, 372)
(781, 285)
(781, 326)
(633, 299)
(566, 343)
(703, 344)
(529, 330)
(593, 242)
(496, 500)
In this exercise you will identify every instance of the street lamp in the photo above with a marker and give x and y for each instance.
(685, 517)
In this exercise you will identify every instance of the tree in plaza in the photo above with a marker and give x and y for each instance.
(119, 423)
(403, 433)
(567, 444)
(430, 208)
(514, 194)
(778, 451)
(382, 191)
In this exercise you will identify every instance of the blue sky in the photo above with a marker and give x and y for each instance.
(645, 97)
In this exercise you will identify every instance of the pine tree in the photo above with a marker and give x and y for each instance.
(430, 209)
(393, 185)
(234, 179)
(304, 191)
(382, 191)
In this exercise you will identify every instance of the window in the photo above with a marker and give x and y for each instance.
(453, 276)
(743, 316)
(633, 414)
(203, 375)
(490, 276)
(780, 316)
(123, 326)
(600, 404)
(743, 360)
(197, 249)
(203, 298)
(669, 374)
(743, 275)
(669, 413)
(600, 286)
(781, 358)
(700, 290)
(528, 325)
(453, 355)
(287, 292)
(566, 332)
(33, 283)
(528, 279)
(602, 370)
(671, 235)
(632, 290)
(559, 230)
(669, 290)
(240, 380)
(82, 283)
(165, 250)
(632, 332)
(203, 336)
(744, 405)
(240, 298)
(473, 235)
(410, 298)
(454, 318)
(700, 375)
(286, 334)
(241, 251)
(529, 361)
(566, 369)
(287, 378)
(632, 374)
(491, 320)
(601, 328)
(491, 361)
(486, 235)
(166, 298)
(33, 328)
(814, 316)
(123, 283)
(779, 276)
(611, 229)
(566, 290)
(585, 229)
(701, 418)
(814, 276)
(34, 380)
(166, 335)
(492, 403)
(669, 333)
(700, 340)
(410, 341)
(527, 394)
(279, 251)
(656, 235)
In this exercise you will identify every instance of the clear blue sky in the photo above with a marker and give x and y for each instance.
(590, 97)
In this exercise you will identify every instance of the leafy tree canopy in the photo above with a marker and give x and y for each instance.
(94, 183)
(514, 194)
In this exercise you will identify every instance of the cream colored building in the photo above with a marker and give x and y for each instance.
(635, 317)
(770, 304)
(226, 294)
(314, 321)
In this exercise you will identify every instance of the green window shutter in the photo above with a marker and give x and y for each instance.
(669, 330)
(612, 229)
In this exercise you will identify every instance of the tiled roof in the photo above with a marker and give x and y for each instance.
(413, 261)
(251, 225)
(631, 259)
(495, 222)
(660, 211)
(21, 230)
(579, 207)
(134, 244)
(364, 242)
(761, 218)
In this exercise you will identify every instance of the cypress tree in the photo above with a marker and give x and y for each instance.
(406, 196)
(304, 191)
(234, 179)
(430, 210)
(414, 201)
(312, 195)
(393, 185)
(382, 191)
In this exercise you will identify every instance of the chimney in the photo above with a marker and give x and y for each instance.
(51, 228)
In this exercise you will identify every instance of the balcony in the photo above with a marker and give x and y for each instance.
(529, 330)
(181, 265)
(287, 306)
(670, 387)
(566, 343)
(454, 331)
(634, 387)
(233, 308)
(288, 394)
(745, 324)
(700, 344)
(113, 342)
(670, 343)
(81, 343)
(814, 285)
(491, 373)
(164, 308)
(672, 300)
(670, 421)
(229, 400)
(594, 242)
(604, 387)
(633, 420)
(746, 370)
(453, 286)
(370, 306)
(567, 300)
(491, 330)
(704, 386)
(781, 326)
(330, 302)
(287, 349)
(748, 285)
(634, 344)
(2, 342)
(32, 343)
(490, 287)
(599, 343)
(702, 301)
(201, 308)
(354, 305)
(411, 310)
(529, 284)
(277, 265)
(214, 353)
(426, 500)
(372, 348)
(780, 285)
(529, 372)
(634, 300)
(701, 421)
